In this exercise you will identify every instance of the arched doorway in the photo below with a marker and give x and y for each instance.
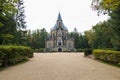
(59, 49)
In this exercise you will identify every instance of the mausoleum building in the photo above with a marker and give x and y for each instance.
(59, 40)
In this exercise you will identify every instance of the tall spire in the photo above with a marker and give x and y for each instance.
(59, 16)
(59, 23)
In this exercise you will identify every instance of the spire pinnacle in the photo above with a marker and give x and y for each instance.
(59, 16)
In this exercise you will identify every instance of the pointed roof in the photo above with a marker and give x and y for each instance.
(56, 25)
(59, 17)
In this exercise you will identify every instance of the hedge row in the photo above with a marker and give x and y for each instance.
(87, 51)
(10, 55)
(79, 50)
(39, 50)
(107, 55)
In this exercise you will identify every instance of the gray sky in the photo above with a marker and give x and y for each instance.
(75, 14)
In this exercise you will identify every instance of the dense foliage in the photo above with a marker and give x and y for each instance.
(36, 38)
(100, 36)
(114, 22)
(105, 6)
(107, 55)
(106, 34)
(80, 41)
(7, 23)
(10, 32)
(10, 55)
(7, 8)
(39, 50)
(87, 51)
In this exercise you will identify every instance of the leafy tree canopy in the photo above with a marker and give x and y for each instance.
(105, 5)
(100, 36)
(7, 7)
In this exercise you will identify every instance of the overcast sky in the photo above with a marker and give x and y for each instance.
(75, 14)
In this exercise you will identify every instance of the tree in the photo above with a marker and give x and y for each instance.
(90, 36)
(103, 34)
(112, 7)
(80, 41)
(100, 36)
(20, 22)
(43, 34)
(114, 22)
(83, 42)
(105, 6)
(20, 17)
(8, 32)
(76, 40)
(7, 7)
(36, 39)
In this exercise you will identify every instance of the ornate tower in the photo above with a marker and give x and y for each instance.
(59, 39)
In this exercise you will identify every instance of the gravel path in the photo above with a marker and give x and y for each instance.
(62, 66)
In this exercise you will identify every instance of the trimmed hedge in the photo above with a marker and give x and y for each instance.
(39, 50)
(107, 55)
(10, 55)
(87, 51)
(79, 50)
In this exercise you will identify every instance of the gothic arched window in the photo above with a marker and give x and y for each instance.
(59, 32)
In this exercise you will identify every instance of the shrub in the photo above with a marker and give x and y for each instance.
(87, 52)
(10, 55)
(80, 50)
(28, 52)
(39, 50)
(107, 55)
